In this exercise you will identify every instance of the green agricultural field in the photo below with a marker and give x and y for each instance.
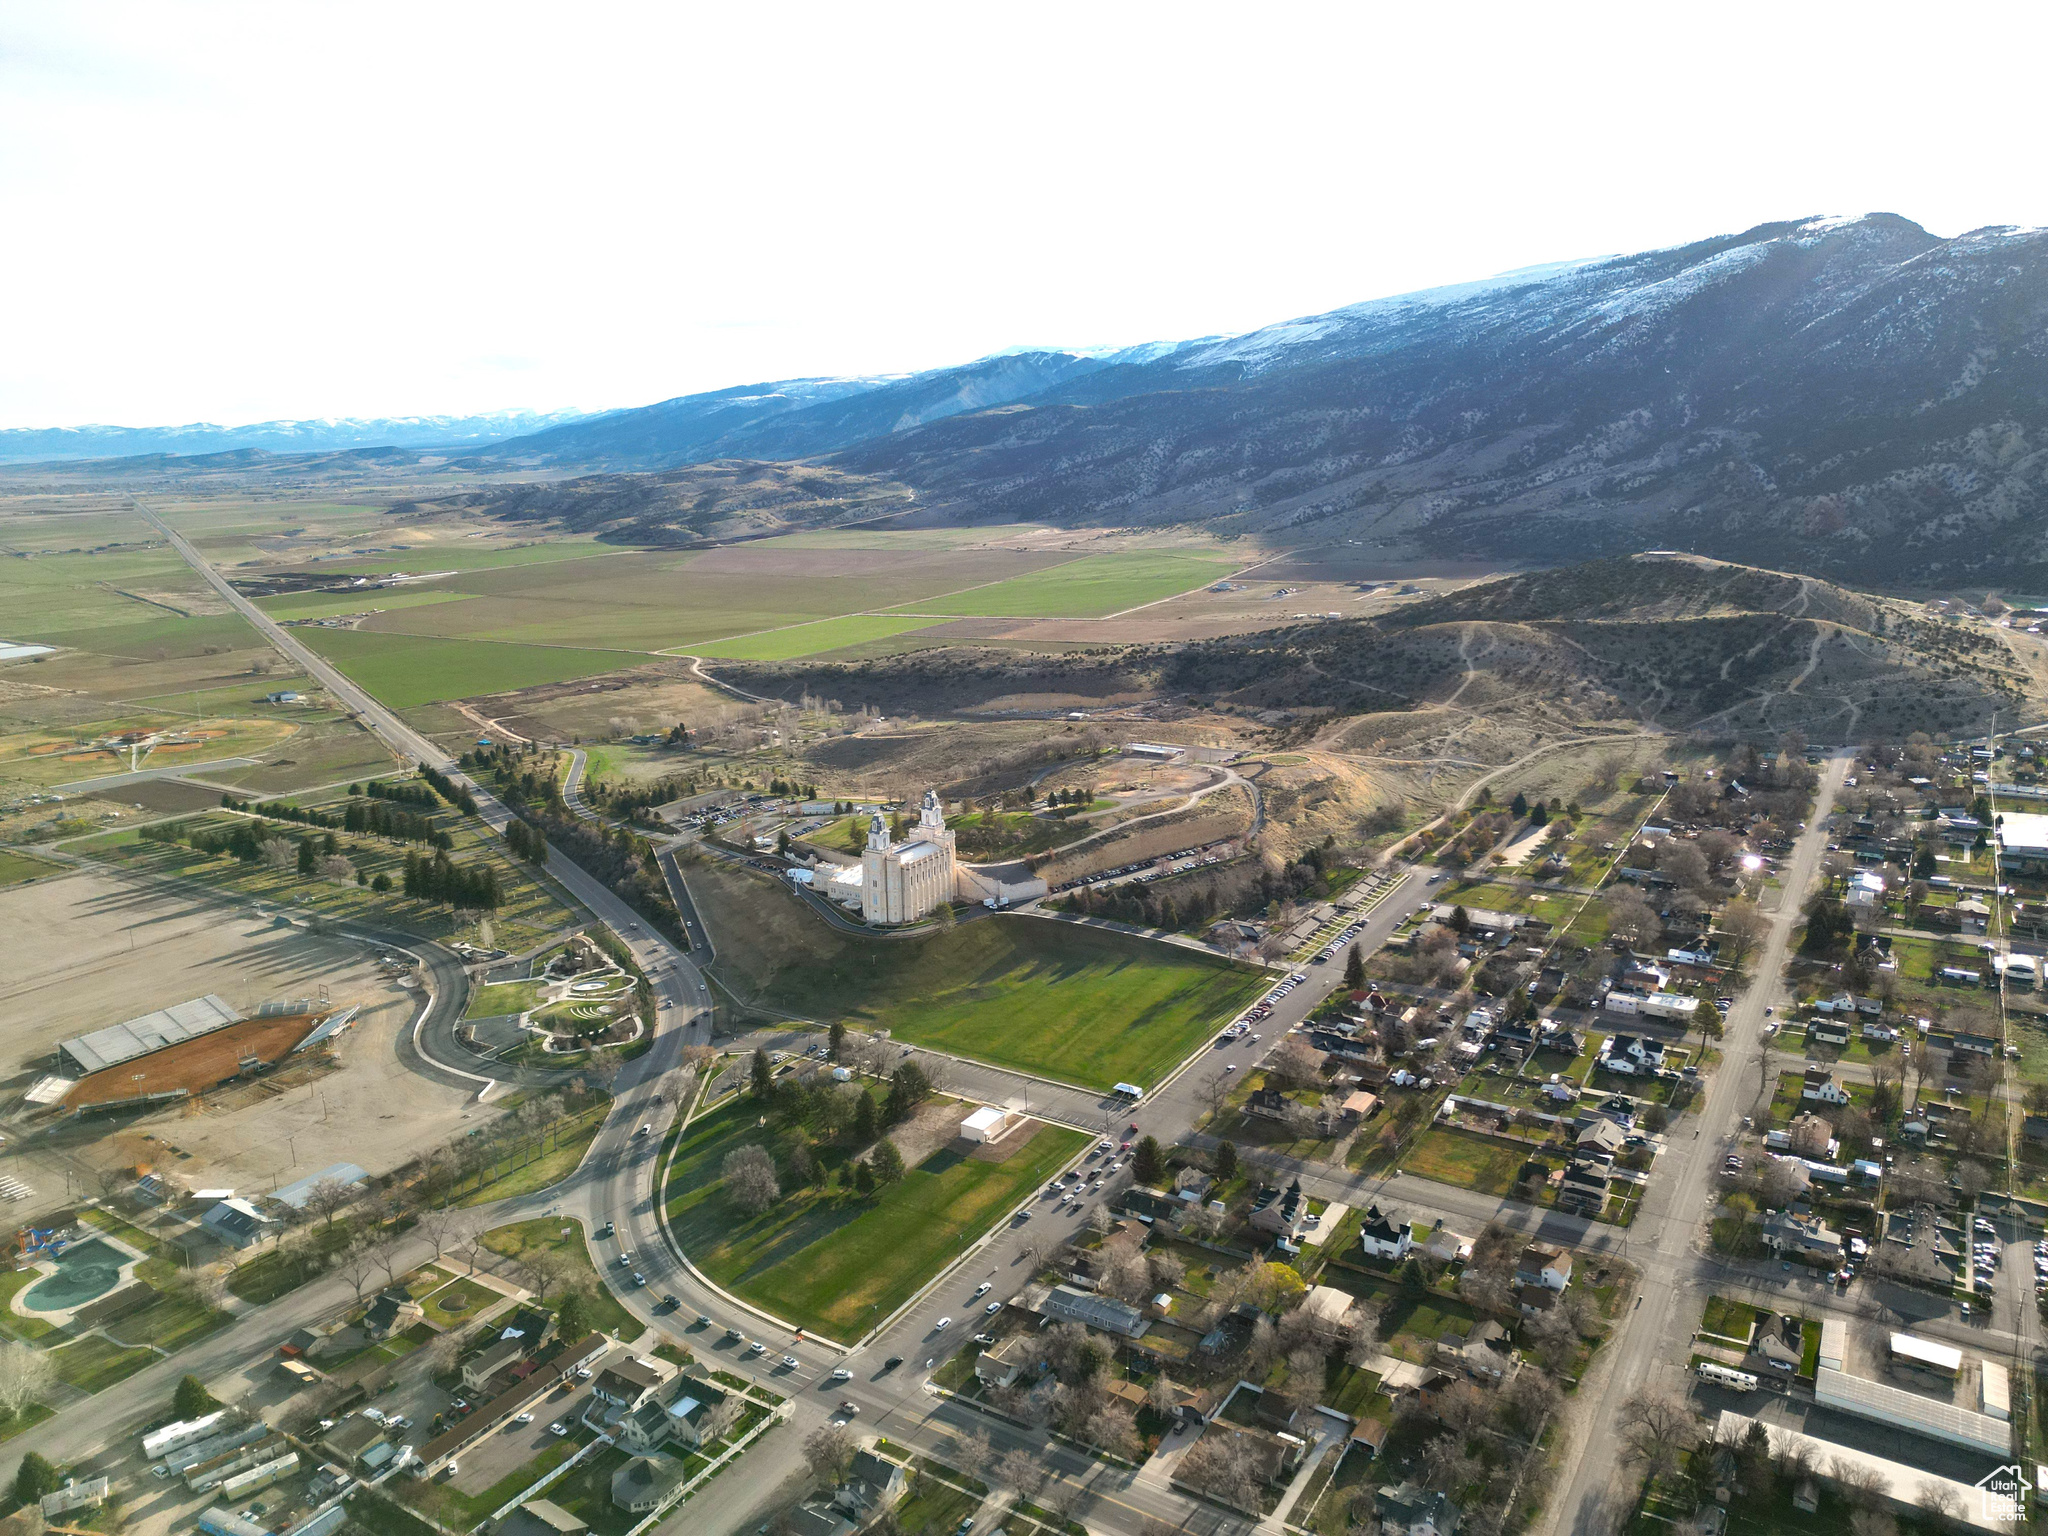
(830, 1260)
(68, 594)
(1088, 1005)
(1092, 587)
(157, 636)
(321, 605)
(810, 639)
(404, 670)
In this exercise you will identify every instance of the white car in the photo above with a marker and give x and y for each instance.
(559, 1427)
(942, 1325)
(522, 1421)
(993, 1308)
(791, 1361)
(983, 1288)
(842, 1374)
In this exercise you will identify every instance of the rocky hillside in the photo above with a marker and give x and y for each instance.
(1685, 644)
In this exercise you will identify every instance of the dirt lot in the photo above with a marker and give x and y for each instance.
(92, 950)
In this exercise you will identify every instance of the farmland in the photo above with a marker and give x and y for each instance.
(830, 1260)
(1094, 586)
(1087, 1005)
(811, 639)
(404, 671)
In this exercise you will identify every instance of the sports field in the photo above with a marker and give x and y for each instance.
(1089, 588)
(407, 670)
(1087, 1005)
(810, 639)
(827, 1259)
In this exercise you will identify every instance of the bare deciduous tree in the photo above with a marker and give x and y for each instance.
(750, 1178)
(26, 1373)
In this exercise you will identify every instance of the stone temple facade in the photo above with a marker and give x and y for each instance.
(901, 882)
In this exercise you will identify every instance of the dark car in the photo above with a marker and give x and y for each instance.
(892, 1362)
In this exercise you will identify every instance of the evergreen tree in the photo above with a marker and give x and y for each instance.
(1226, 1162)
(837, 1039)
(863, 1179)
(35, 1477)
(1519, 806)
(191, 1400)
(763, 1080)
(308, 861)
(572, 1316)
(888, 1162)
(1148, 1163)
(867, 1119)
(1354, 970)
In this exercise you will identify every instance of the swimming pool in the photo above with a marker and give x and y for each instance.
(85, 1272)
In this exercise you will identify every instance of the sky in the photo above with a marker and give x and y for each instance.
(233, 213)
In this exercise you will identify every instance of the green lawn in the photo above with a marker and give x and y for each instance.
(605, 1313)
(408, 670)
(1086, 1005)
(1729, 1319)
(808, 639)
(1091, 587)
(457, 1302)
(17, 867)
(529, 1174)
(1452, 1156)
(504, 997)
(93, 1364)
(934, 1508)
(830, 1260)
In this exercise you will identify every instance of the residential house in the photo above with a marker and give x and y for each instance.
(675, 1411)
(1820, 1086)
(1486, 1353)
(1976, 1045)
(1544, 1265)
(1560, 1090)
(1632, 1054)
(644, 1483)
(532, 1326)
(486, 1363)
(1826, 1031)
(1386, 1235)
(1268, 1104)
(873, 1486)
(1064, 1304)
(1283, 1214)
(1274, 1457)
(1776, 1348)
(1328, 1311)
(393, 1311)
(237, 1223)
(1409, 1509)
(1582, 1189)
(627, 1384)
(1602, 1136)
(2035, 1129)
(1001, 1364)
(354, 1438)
(1802, 1235)
(1534, 1299)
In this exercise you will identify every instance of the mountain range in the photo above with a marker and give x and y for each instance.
(19, 445)
(1848, 396)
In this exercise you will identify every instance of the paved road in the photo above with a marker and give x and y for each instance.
(1649, 1348)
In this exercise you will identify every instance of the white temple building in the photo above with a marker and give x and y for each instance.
(901, 882)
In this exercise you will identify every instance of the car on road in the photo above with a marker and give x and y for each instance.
(732, 1334)
(703, 1321)
(791, 1362)
(668, 1300)
(638, 1278)
(522, 1420)
(891, 1363)
(942, 1325)
(1230, 1066)
(605, 1230)
(983, 1288)
(993, 1308)
(842, 1374)
(757, 1348)
(559, 1427)
(849, 1409)
(625, 1258)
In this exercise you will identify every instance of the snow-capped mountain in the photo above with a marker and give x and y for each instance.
(323, 435)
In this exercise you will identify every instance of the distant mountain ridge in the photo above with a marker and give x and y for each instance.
(1853, 396)
(29, 445)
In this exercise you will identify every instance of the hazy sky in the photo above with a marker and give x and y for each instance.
(230, 213)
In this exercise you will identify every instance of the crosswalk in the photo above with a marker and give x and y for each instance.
(12, 1189)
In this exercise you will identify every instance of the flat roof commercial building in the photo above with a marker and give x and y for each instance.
(1926, 1354)
(1894, 1481)
(1909, 1410)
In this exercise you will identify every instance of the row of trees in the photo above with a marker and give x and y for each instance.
(469, 887)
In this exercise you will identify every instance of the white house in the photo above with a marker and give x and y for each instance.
(1385, 1235)
(1544, 1265)
(1821, 1087)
